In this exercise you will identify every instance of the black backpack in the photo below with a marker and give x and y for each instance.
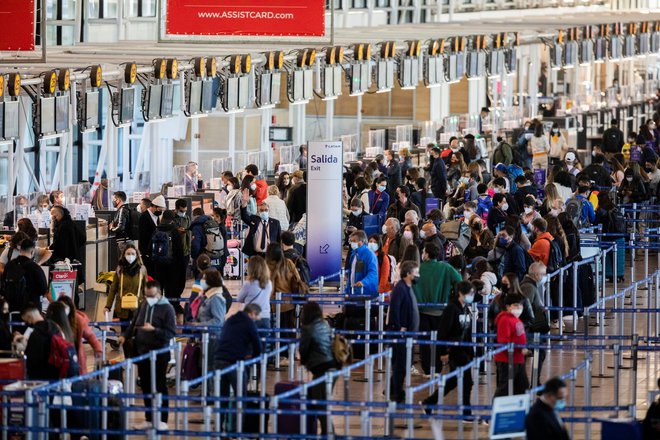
(161, 247)
(616, 222)
(15, 284)
(612, 141)
(556, 258)
(133, 227)
(303, 269)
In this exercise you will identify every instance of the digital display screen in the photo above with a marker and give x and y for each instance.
(243, 91)
(62, 113)
(11, 120)
(91, 110)
(47, 115)
(207, 95)
(231, 91)
(127, 108)
(275, 88)
(280, 134)
(153, 101)
(308, 90)
(264, 88)
(167, 100)
(194, 97)
(2, 118)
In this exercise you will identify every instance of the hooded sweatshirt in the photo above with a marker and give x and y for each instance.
(510, 329)
(540, 250)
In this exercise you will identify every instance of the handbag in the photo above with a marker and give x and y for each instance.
(129, 301)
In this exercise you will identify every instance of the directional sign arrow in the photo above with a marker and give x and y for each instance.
(324, 249)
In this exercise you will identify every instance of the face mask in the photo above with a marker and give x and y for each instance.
(130, 259)
(517, 312)
(465, 180)
(496, 190)
(354, 245)
(554, 131)
(382, 188)
(357, 212)
(407, 235)
(230, 187)
(422, 234)
(152, 301)
(593, 154)
(114, 203)
(158, 213)
(203, 285)
(263, 215)
(651, 126)
(648, 170)
(253, 186)
(139, 209)
(468, 215)
(384, 229)
(181, 214)
(502, 242)
(528, 210)
(505, 207)
(469, 299)
(560, 405)
(499, 139)
(629, 179)
(528, 136)
(373, 247)
(66, 310)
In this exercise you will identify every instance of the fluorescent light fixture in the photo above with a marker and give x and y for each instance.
(198, 115)
(432, 86)
(361, 93)
(329, 98)
(409, 88)
(383, 90)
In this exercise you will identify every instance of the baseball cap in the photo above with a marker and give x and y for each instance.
(159, 202)
(570, 157)
(501, 167)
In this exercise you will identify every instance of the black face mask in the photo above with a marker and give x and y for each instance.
(158, 213)
(505, 288)
(500, 139)
(4, 317)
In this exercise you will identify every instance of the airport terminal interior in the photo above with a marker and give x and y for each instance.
(302, 219)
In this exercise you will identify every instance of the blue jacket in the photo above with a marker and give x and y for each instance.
(513, 260)
(403, 311)
(588, 212)
(378, 205)
(366, 270)
(198, 240)
(238, 340)
(439, 178)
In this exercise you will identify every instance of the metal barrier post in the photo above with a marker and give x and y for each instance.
(575, 293)
(292, 361)
(615, 275)
(184, 400)
(572, 402)
(321, 284)
(42, 420)
(278, 323)
(381, 325)
(328, 407)
(587, 396)
(441, 397)
(632, 255)
(535, 360)
(388, 428)
(177, 379)
(364, 423)
(158, 401)
(303, 410)
(510, 370)
(29, 400)
(104, 338)
(560, 321)
(459, 379)
(434, 356)
(347, 382)
(367, 327)
(388, 373)
(485, 331)
(633, 376)
(409, 356)
(104, 404)
(205, 363)
(262, 393)
(240, 375)
(217, 403)
(657, 301)
(207, 413)
(617, 363)
(342, 280)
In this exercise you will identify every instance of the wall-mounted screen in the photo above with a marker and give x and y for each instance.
(243, 91)
(154, 97)
(207, 95)
(11, 120)
(194, 97)
(275, 88)
(2, 119)
(62, 113)
(91, 110)
(127, 107)
(615, 48)
(167, 100)
(280, 134)
(600, 49)
(47, 116)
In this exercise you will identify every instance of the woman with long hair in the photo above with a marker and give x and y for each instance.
(539, 147)
(250, 184)
(41, 255)
(285, 279)
(553, 203)
(362, 192)
(79, 323)
(384, 268)
(12, 251)
(57, 313)
(257, 289)
(130, 278)
(283, 184)
(510, 285)
(617, 172)
(555, 229)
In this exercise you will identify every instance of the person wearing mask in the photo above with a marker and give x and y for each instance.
(587, 215)
(529, 212)
(510, 329)
(543, 421)
(191, 177)
(421, 193)
(558, 144)
(277, 207)
(503, 153)
(455, 325)
(152, 328)
(596, 172)
(361, 267)
(513, 259)
(410, 235)
(170, 265)
(301, 160)
(633, 189)
(434, 286)
(646, 136)
(79, 323)
(56, 198)
(12, 249)
(386, 264)
(392, 239)
(429, 234)
(261, 190)
(198, 240)
(258, 289)
(362, 192)
(212, 307)
(532, 289)
(37, 350)
(503, 185)
(67, 238)
(379, 199)
(438, 175)
(402, 205)
(481, 241)
(24, 268)
(283, 185)
(285, 279)
(355, 220)
(297, 200)
(121, 219)
(525, 189)
(143, 205)
(43, 212)
(316, 356)
(403, 316)
(407, 166)
(652, 171)
(248, 185)
(182, 223)
(571, 163)
(262, 231)
(292, 251)
(130, 278)
(613, 139)
(500, 187)
(149, 219)
(393, 172)
(497, 215)
(41, 254)
(542, 245)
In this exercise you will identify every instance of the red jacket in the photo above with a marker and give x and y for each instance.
(510, 329)
(540, 250)
(261, 192)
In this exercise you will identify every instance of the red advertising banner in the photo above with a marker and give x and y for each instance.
(285, 18)
(17, 17)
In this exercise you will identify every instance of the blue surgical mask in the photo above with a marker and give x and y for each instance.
(502, 241)
(203, 285)
(382, 188)
(263, 215)
(560, 405)
(469, 299)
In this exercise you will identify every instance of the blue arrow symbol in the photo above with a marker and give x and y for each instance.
(324, 249)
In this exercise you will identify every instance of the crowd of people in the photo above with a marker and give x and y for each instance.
(448, 234)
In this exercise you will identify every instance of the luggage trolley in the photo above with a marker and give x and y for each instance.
(63, 281)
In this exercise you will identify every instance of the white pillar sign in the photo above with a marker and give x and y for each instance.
(324, 207)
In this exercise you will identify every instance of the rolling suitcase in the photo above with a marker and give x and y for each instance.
(251, 419)
(290, 423)
(232, 269)
(620, 261)
(11, 370)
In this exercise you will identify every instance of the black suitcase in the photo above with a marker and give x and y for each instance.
(251, 419)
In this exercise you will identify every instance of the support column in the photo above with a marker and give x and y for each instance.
(194, 140)
(532, 80)
(359, 122)
(329, 119)
(264, 142)
(231, 136)
(435, 104)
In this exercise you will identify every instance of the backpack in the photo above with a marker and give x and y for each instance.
(303, 269)
(574, 208)
(514, 171)
(342, 350)
(63, 356)
(191, 361)
(484, 205)
(161, 247)
(458, 232)
(498, 155)
(556, 258)
(616, 222)
(133, 227)
(612, 141)
(215, 244)
(15, 285)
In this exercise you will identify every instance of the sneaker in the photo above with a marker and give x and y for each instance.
(425, 406)
(162, 426)
(143, 426)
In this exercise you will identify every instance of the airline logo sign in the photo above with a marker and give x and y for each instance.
(294, 18)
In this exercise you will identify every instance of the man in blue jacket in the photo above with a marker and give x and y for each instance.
(513, 259)
(361, 267)
(403, 317)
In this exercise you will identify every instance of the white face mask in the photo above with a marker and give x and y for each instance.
(152, 301)
(408, 235)
(356, 212)
(497, 190)
(130, 258)
(629, 179)
(422, 234)
(517, 312)
(505, 207)
(468, 215)
(139, 209)
(554, 212)
(373, 247)
(253, 186)
(384, 229)
(354, 245)
(528, 210)
(230, 187)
